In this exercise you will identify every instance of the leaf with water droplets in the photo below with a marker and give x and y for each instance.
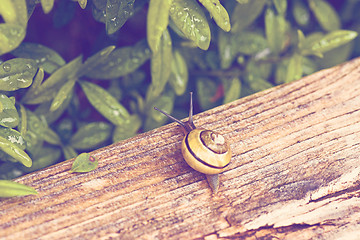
(13, 189)
(105, 103)
(190, 19)
(49, 88)
(11, 36)
(63, 93)
(95, 60)
(85, 162)
(117, 13)
(157, 22)
(121, 62)
(14, 151)
(17, 73)
(13, 136)
(9, 116)
(47, 5)
(14, 11)
(45, 57)
(179, 73)
(218, 12)
(161, 65)
(35, 130)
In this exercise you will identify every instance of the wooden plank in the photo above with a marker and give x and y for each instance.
(294, 175)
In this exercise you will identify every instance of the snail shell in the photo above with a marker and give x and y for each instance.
(206, 151)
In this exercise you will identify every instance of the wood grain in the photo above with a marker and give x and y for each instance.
(294, 174)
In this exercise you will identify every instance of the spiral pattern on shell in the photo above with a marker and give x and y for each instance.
(206, 151)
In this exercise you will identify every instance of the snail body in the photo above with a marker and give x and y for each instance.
(204, 150)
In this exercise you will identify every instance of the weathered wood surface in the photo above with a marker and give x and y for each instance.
(295, 174)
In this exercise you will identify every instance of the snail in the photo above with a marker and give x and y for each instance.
(204, 150)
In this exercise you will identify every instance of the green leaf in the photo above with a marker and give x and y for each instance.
(161, 65)
(64, 92)
(121, 62)
(14, 11)
(14, 151)
(12, 189)
(13, 136)
(45, 57)
(256, 83)
(325, 14)
(49, 88)
(230, 45)
(46, 157)
(294, 70)
(335, 56)
(301, 13)
(117, 13)
(275, 28)
(47, 5)
(51, 116)
(17, 73)
(35, 131)
(69, 152)
(105, 103)
(206, 90)
(226, 51)
(280, 6)
(8, 10)
(232, 89)
(23, 120)
(244, 14)
(9, 116)
(85, 162)
(157, 22)
(82, 3)
(128, 129)
(90, 135)
(248, 43)
(333, 40)
(51, 137)
(166, 103)
(190, 19)
(218, 12)
(11, 36)
(95, 60)
(179, 73)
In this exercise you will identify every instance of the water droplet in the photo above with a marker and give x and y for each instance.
(7, 67)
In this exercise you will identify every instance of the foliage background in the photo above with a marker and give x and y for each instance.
(78, 75)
